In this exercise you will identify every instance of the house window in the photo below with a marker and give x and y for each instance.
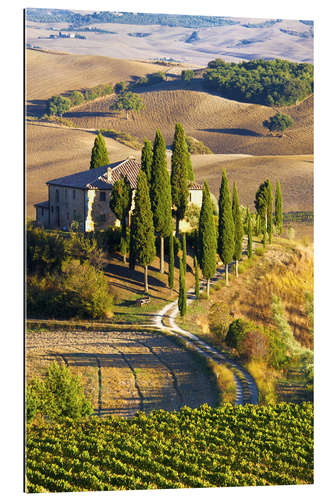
(190, 197)
(73, 194)
(57, 195)
(102, 196)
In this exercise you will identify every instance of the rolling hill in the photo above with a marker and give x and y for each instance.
(231, 129)
(224, 125)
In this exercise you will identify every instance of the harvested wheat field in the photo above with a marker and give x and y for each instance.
(53, 151)
(124, 372)
(224, 125)
(295, 174)
(52, 73)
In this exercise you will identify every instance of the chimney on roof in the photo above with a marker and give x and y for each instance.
(109, 174)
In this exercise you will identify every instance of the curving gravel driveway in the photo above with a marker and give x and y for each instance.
(246, 388)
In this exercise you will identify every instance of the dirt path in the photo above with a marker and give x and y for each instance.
(246, 388)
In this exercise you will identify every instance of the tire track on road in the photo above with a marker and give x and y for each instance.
(173, 375)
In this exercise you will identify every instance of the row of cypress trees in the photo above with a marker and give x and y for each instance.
(156, 194)
(228, 242)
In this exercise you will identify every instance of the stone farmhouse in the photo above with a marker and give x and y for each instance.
(85, 196)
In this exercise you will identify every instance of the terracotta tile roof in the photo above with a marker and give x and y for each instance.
(42, 204)
(195, 185)
(105, 177)
(98, 178)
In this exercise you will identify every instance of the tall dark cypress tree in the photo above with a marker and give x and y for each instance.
(147, 159)
(197, 280)
(160, 193)
(264, 206)
(207, 238)
(120, 204)
(182, 300)
(269, 211)
(278, 209)
(249, 233)
(142, 239)
(190, 173)
(171, 274)
(99, 153)
(239, 232)
(179, 180)
(226, 227)
(184, 253)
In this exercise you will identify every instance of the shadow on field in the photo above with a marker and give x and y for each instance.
(233, 131)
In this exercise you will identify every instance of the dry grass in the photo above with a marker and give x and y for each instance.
(225, 381)
(285, 272)
(266, 379)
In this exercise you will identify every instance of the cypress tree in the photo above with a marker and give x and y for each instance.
(147, 159)
(171, 274)
(249, 233)
(264, 206)
(160, 193)
(182, 302)
(142, 239)
(197, 281)
(278, 208)
(226, 227)
(239, 233)
(120, 204)
(179, 179)
(99, 153)
(189, 168)
(184, 253)
(269, 211)
(207, 238)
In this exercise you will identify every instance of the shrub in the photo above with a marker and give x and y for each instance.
(187, 75)
(192, 215)
(260, 251)
(45, 252)
(80, 291)
(197, 147)
(254, 345)
(59, 395)
(236, 332)
(219, 319)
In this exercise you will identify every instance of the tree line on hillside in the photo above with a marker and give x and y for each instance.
(59, 104)
(138, 18)
(273, 83)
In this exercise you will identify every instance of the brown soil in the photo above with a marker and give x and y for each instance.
(124, 372)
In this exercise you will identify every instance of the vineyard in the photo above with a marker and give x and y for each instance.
(204, 447)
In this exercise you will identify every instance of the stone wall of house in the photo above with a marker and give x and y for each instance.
(195, 197)
(97, 210)
(42, 216)
(66, 205)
